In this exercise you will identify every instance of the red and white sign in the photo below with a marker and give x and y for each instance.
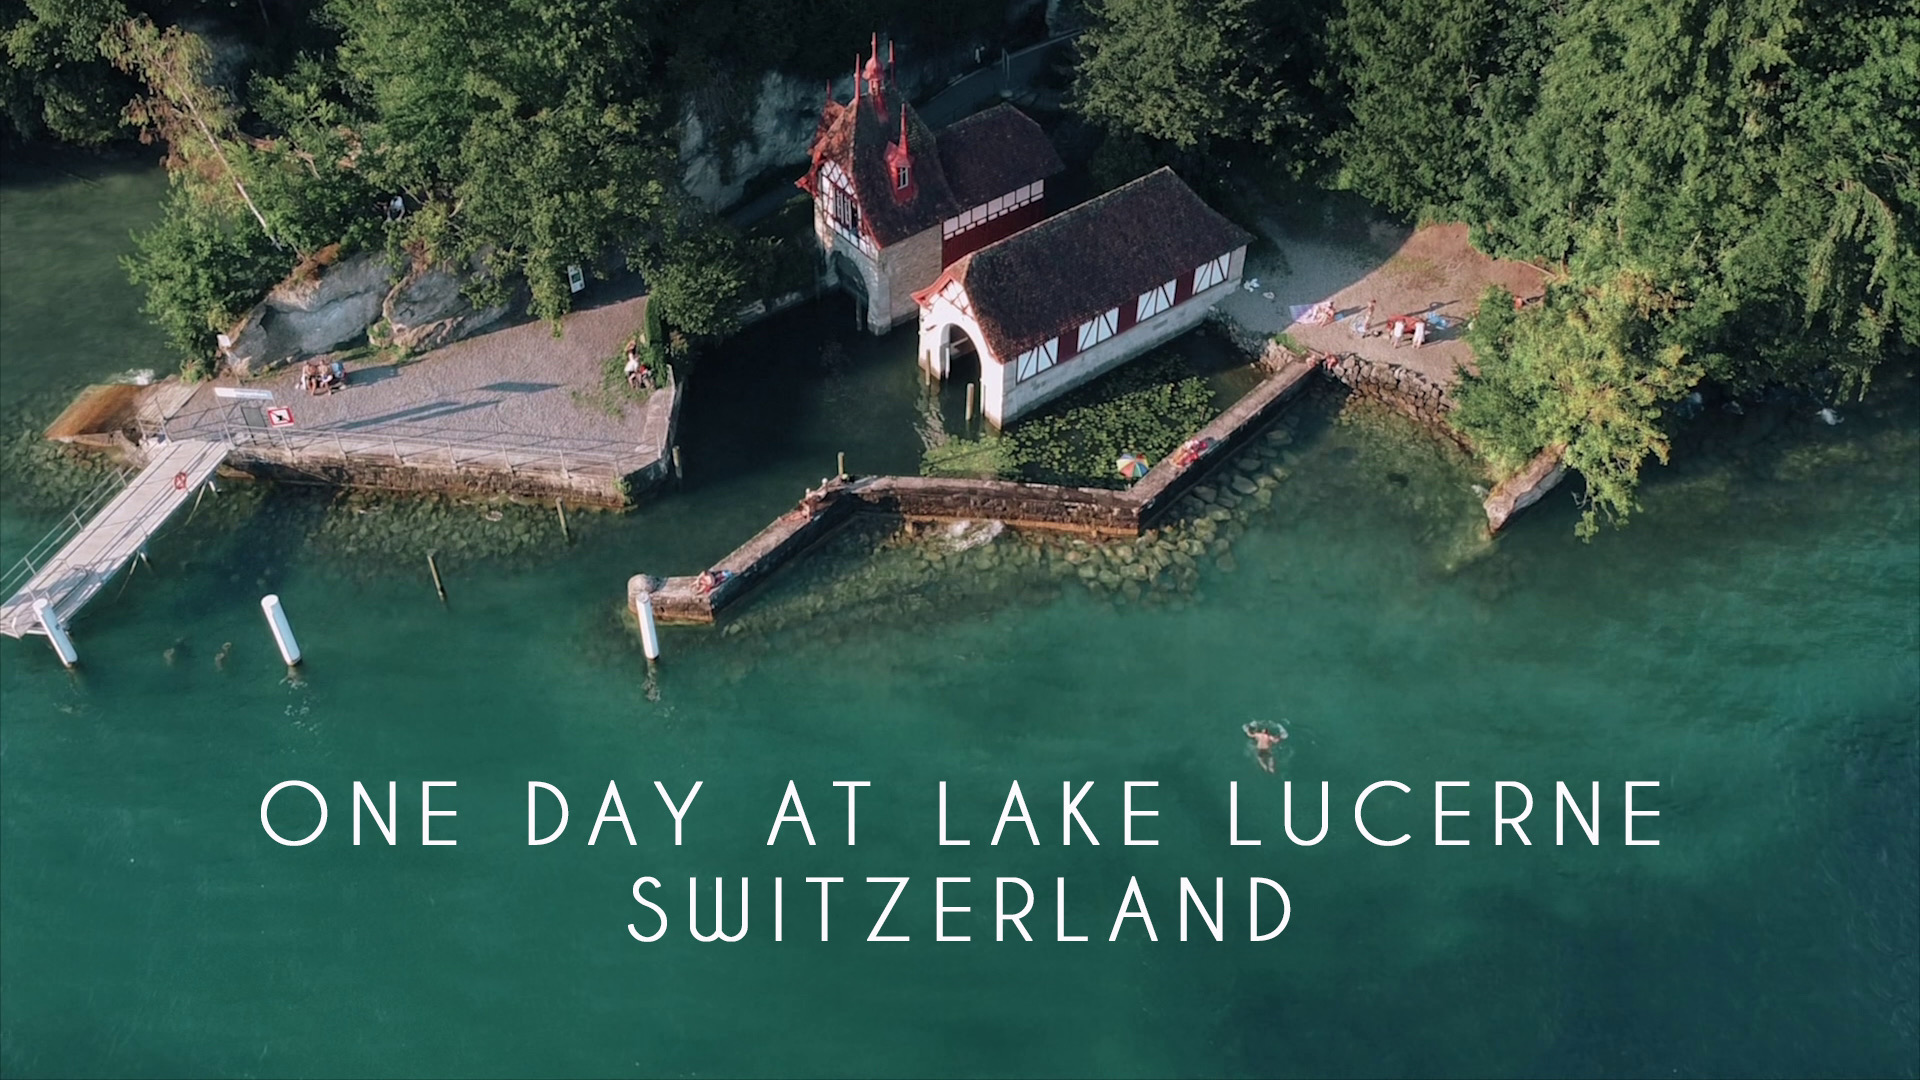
(279, 416)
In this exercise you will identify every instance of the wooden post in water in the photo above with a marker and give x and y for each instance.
(678, 475)
(435, 569)
(565, 536)
(842, 473)
(972, 388)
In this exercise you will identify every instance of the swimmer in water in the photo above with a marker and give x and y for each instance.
(1264, 740)
(220, 658)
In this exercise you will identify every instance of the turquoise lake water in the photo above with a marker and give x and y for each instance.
(1751, 642)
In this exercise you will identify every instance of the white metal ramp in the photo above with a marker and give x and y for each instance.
(100, 547)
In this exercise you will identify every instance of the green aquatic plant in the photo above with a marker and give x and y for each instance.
(1148, 407)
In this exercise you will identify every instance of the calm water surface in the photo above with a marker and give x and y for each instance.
(1749, 642)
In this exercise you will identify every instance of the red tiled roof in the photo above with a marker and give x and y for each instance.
(993, 152)
(1058, 273)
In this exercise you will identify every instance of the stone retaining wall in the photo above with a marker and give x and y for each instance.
(1402, 389)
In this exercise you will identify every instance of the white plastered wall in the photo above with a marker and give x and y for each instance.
(1003, 400)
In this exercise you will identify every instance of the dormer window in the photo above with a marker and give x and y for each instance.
(902, 177)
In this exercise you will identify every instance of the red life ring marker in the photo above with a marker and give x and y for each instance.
(179, 481)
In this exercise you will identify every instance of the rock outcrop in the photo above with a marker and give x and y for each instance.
(786, 110)
(427, 309)
(785, 117)
(1524, 488)
(313, 312)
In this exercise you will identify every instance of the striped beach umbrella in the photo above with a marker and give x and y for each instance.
(1132, 466)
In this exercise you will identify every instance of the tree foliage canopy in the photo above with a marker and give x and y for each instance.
(1189, 72)
(1752, 161)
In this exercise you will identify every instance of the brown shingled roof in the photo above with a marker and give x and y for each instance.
(993, 152)
(1056, 274)
(856, 139)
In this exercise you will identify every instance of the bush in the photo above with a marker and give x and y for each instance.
(701, 282)
(202, 266)
(1586, 371)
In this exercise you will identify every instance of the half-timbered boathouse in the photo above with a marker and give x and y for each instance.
(1076, 295)
(894, 203)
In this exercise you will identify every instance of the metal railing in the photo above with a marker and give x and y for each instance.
(42, 554)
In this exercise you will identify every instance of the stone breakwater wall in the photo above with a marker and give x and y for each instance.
(1171, 488)
(1406, 391)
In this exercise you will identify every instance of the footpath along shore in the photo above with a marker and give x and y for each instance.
(516, 411)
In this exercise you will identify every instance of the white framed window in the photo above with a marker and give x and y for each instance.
(1211, 273)
(1036, 360)
(842, 212)
(902, 176)
(1154, 301)
(1099, 328)
(993, 208)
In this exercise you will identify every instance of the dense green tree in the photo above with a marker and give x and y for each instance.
(526, 130)
(56, 80)
(1190, 72)
(308, 177)
(1750, 160)
(203, 265)
(698, 282)
(1432, 87)
(1588, 374)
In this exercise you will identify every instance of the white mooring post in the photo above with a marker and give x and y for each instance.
(649, 633)
(50, 622)
(282, 632)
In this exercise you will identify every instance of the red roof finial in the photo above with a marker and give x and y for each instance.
(903, 131)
